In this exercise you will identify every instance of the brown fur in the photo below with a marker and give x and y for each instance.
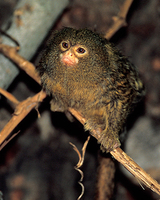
(102, 86)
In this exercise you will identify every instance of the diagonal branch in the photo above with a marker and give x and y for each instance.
(120, 20)
(136, 170)
(9, 96)
(126, 161)
(11, 53)
(21, 111)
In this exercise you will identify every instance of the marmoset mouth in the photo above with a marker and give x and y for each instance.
(69, 60)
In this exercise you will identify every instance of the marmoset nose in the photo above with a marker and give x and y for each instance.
(70, 54)
(69, 58)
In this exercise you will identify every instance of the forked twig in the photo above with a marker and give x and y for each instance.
(21, 111)
(24, 107)
(119, 20)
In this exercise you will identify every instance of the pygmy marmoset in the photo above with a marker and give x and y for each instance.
(82, 70)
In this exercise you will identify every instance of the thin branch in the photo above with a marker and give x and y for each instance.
(9, 96)
(119, 20)
(136, 170)
(21, 111)
(7, 141)
(24, 107)
(11, 53)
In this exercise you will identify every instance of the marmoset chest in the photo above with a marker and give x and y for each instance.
(75, 89)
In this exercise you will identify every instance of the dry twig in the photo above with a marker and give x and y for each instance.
(80, 163)
(120, 20)
(24, 107)
(21, 111)
(136, 170)
(9, 96)
(11, 53)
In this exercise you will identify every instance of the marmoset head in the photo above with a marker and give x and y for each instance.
(75, 48)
